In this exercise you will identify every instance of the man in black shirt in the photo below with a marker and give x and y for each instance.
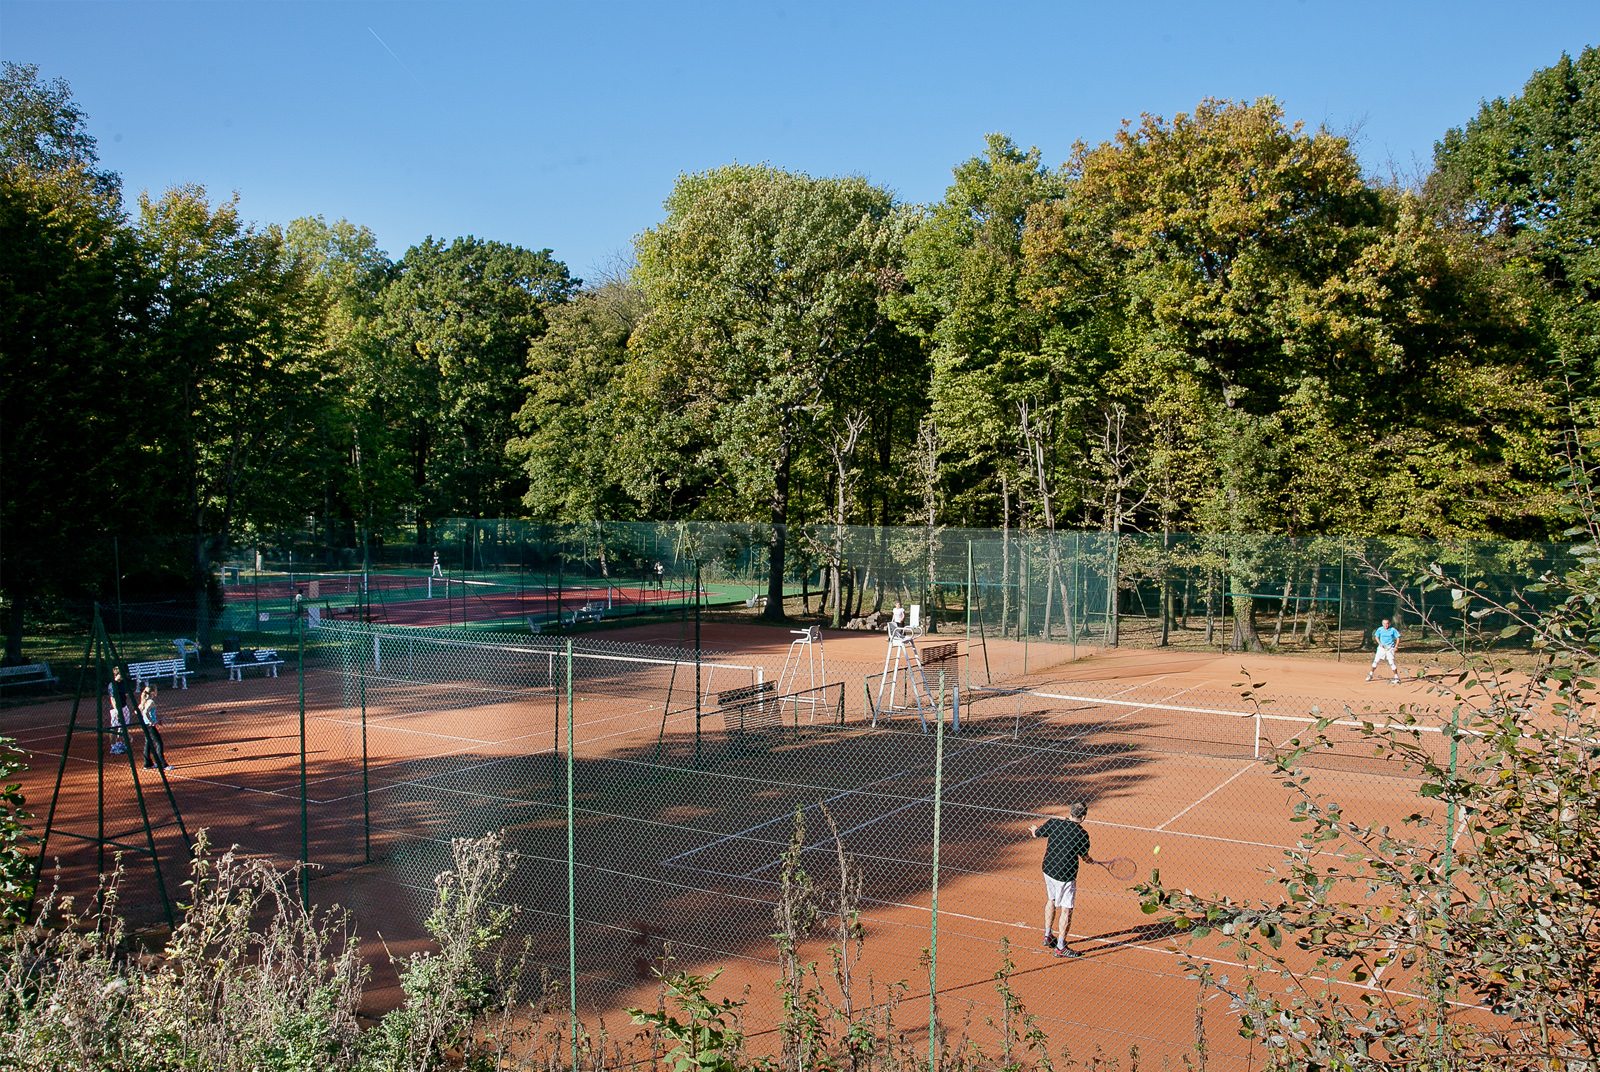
(1069, 842)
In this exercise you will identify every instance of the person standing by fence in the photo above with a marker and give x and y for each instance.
(148, 722)
(121, 709)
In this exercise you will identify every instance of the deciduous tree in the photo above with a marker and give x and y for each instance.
(765, 286)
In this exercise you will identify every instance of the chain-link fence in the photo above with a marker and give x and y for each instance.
(652, 797)
(1320, 595)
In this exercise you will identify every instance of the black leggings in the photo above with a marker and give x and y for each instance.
(152, 741)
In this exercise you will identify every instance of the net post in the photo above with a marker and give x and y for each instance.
(572, 906)
(1258, 733)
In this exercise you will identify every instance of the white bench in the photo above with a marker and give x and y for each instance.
(590, 612)
(186, 648)
(159, 668)
(28, 674)
(266, 659)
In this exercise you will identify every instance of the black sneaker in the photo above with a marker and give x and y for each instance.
(1049, 941)
(1067, 951)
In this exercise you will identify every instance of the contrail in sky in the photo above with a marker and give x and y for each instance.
(397, 59)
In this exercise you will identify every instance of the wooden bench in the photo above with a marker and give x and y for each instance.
(159, 668)
(265, 659)
(750, 709)
(27, 674)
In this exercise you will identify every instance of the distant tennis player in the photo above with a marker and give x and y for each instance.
(437, 571)
(1388, 638)
(1069, 842)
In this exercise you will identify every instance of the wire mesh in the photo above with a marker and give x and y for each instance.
(1321, 594)
(683, 810)
(376, 743)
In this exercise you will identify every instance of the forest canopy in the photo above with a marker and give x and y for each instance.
(1215, 322)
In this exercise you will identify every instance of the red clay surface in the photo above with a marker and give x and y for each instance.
(691, 857)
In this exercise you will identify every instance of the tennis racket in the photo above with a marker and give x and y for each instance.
(1121, 868)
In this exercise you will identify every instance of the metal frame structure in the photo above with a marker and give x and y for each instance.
(99, 656)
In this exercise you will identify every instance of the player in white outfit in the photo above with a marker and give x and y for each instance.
(1388, 638)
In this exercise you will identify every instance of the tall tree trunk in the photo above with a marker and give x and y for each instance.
(1211, 610)
(835, 612)
(1283, 608)
(780, 533)
(883, 556)
(1005, 555)
(1166, 586)
(15, 616)
(1114, 637)
(202, 593)
(1316, 605)
(1245, 637)
(1049, 592)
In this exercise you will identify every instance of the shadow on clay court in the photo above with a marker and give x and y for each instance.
(669, 849)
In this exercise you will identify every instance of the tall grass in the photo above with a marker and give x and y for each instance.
(253, 981)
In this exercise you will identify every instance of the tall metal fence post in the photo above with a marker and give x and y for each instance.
(572, 881)
(366, 798)
(305, 816)
(1022, 605)
(1111, 638)
(1077, 598)
(697, 663)
(1338, 637)
(933, 935)
(969, 618)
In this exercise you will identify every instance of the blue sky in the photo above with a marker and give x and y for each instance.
(564, 125)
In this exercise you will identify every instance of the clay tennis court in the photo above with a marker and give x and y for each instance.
(671, 848)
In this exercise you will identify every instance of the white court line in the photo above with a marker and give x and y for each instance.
(1001, 738)
(789, 818)
(1238, 773)
(904, 807)
(1141, 684)
(743, 834)
(928, 800)
(1304, 720)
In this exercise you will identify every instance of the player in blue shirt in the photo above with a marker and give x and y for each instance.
(1388, 638)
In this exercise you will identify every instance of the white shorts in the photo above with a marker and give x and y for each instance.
(1384, 655)
(1060, 893)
